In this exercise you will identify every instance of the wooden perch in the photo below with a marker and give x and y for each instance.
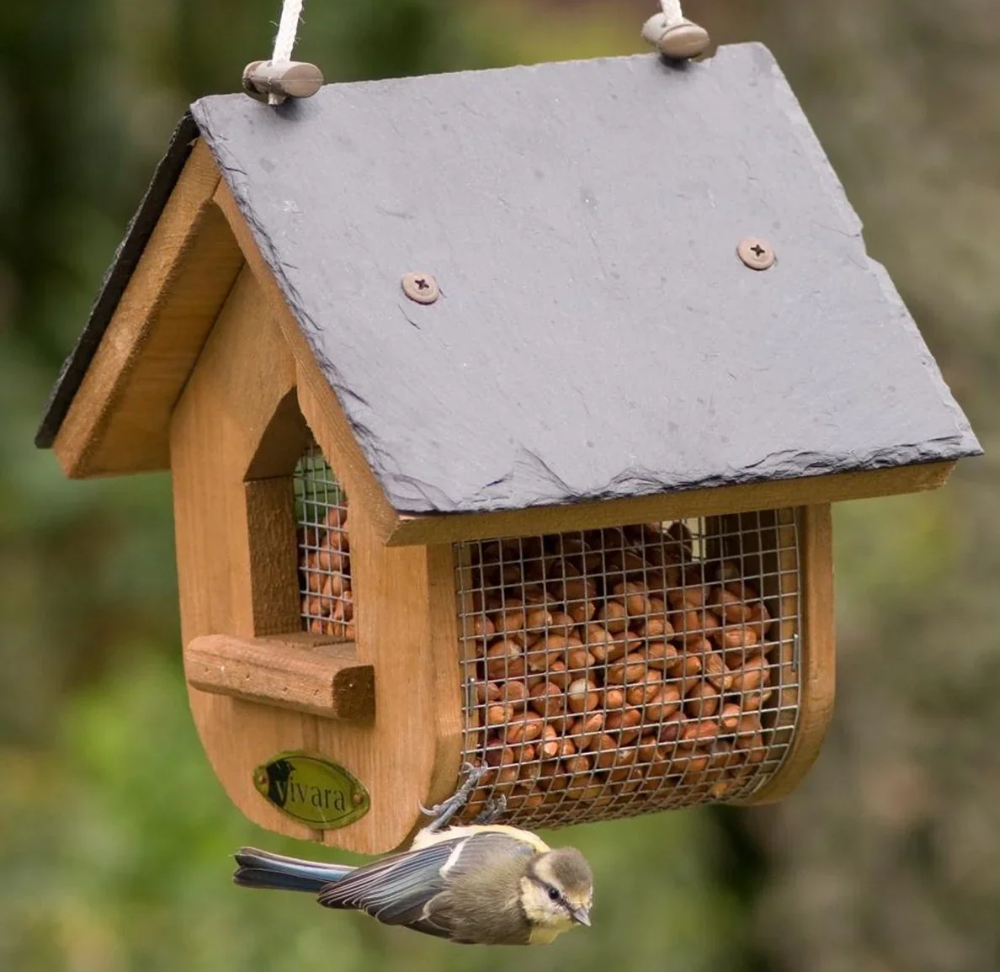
(290, 672)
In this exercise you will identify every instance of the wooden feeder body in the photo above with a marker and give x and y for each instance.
(237, 328)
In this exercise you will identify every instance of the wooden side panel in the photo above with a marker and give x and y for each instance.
(818, 665)
(119, 420)
(407, 628)
(451, 527)
(243, 375)
(236, 548)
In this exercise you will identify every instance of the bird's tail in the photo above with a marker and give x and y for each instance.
(260, 869)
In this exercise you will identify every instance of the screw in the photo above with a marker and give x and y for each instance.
(756, 254)
(357, 799)
(421, 287)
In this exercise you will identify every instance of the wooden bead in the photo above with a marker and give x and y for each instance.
(276, 82)
(677, 41)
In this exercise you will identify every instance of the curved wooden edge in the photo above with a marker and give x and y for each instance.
(315, 396)
(817, 675)
(119, 419)
(305, 674)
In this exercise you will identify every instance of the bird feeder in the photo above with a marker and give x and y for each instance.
(504, 412)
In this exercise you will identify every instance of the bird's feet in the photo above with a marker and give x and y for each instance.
(446, 811)
(492, 811)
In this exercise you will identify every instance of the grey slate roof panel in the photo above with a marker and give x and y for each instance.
(597, 336)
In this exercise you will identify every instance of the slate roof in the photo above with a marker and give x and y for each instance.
(597, 335)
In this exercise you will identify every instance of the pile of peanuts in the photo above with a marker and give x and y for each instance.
(325, 575)
(611, 663)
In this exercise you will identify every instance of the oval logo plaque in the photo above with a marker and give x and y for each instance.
(312, 790)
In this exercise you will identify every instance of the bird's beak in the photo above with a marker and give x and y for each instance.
(581, 916)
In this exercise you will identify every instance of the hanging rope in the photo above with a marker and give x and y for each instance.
(280, 78)
(673, 34)
(672, 12)
(288, 28)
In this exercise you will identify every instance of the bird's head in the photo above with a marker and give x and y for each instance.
(558, 890)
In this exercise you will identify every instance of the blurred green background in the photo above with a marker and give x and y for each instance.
(114, 836)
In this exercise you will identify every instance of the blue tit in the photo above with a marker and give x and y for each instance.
(480, 884)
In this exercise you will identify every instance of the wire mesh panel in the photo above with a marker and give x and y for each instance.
(324, 548)
(620, 671)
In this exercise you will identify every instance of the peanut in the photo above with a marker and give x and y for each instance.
(760, 619)
(525, 797)
(597, 639)
(613, 616)
(562, 624)
(693, 626)
(581, 611)
(717, 673)
(579, 659)
(689, 597)
(587, 792)
(482, 627)
(614, 698)
(645, 690)
(751, 674)
(582, 695)
(756, 700)
(728, 606)
(634, 596)
(686, 671)
(577, 765)
(499, 657)
(603, 749)
(523, 727)
(623, 725)
(556, 674)
(583, 730)
(553, 777)
(556, 746)
(573, 589)
(672, 727)
(702, 701)
(733, 639)
(516, 692)
(547, 699)
(648, 749)
(630, 669)
(663, 704)
(659, 655)
(655, 628)
(497, 715)
(700, 731)
(624, 643)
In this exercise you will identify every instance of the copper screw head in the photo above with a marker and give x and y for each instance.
(421, 287)
(756, 254)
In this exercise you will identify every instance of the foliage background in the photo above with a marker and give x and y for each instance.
(114, 836)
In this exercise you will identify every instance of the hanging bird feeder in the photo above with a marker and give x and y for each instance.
(504, 412)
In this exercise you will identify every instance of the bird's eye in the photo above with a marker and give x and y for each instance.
(554, 894)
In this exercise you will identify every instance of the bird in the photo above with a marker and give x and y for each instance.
(475, 884)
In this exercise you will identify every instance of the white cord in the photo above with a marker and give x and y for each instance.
(288, 27)
(672, 11)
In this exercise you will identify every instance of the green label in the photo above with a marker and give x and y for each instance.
(312, 790)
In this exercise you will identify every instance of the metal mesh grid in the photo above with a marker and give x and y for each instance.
(620, 671)
(324, 548)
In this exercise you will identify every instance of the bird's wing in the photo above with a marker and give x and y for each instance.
(411, 888)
